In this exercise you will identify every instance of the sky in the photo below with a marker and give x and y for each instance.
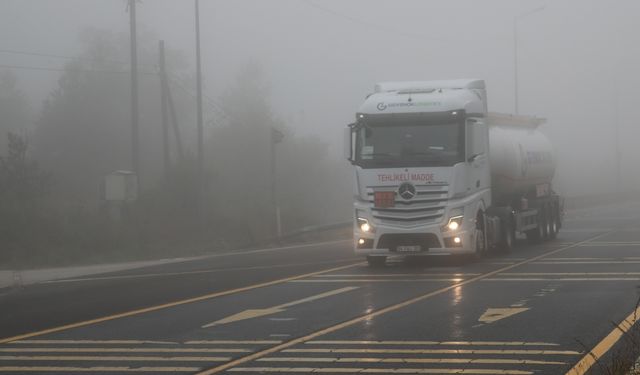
(576, 59)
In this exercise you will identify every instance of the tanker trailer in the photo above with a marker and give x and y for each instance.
(435, 173)
(522, 164)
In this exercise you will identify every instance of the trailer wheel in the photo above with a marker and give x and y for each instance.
(537, 234)
(376, 260)
(555, 224)
(544, 223)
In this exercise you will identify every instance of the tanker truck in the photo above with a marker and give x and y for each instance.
(437, 174)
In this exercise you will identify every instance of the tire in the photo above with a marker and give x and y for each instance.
(536, 234)
(376, 260)
(549, 222)
(544, 223)
(507, 236)
(555, 224)
(480, 242)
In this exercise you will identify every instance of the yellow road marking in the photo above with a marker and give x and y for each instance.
(373, 280)
(435, 351)
(570, 273)
(254, 313)
(409, 360)
(161, 274)
(109, 358)
(456, 275)
(396, 342)
(172, 304)
(388, 309)
(21, 369)
(494, 314)
(122, 350)
(256, 370)
(605, 345)
(592, 262)
(113, 342)
(564, 279)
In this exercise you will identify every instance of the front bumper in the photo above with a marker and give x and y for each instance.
(387, 240)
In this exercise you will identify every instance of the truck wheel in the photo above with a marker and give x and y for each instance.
(480, 245)
(507, 236)
(376, 260)
(555, 224)
(537, 234)
(549, 218)
(544, 224)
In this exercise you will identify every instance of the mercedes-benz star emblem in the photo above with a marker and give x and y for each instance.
(407, 191)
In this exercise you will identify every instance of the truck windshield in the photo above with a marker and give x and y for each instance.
(397, 143)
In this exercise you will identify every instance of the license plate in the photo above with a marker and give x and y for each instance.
(409, 249)
(384, 199)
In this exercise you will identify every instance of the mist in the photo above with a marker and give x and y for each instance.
(302, 67)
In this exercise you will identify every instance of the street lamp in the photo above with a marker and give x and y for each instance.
(515, 52)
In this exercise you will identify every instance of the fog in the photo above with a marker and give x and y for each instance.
(314, 61)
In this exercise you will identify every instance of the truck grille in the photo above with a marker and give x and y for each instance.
(426, 207)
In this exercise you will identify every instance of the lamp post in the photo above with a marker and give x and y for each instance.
(200, 126)
(515, 53)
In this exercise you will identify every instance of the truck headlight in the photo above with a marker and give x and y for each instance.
(364, 225)
(454, 223)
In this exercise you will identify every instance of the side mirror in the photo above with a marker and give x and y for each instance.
(348, 143)
(477, 139)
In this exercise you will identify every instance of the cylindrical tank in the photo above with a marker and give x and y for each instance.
(521, 157)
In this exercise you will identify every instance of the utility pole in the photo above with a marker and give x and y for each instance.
(276, 137)
(201, 190)
(165, 118)
(174, 122)
(135, 131)
(515, 56)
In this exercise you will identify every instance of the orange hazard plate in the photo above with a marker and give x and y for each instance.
(383, 199)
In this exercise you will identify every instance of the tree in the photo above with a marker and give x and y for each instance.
(13, 107)
(84, 130)
(23, 189)
(312, 186)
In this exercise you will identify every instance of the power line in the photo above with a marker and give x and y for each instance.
(68, 69)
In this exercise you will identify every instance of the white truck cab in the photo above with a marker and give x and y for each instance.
(423, 182)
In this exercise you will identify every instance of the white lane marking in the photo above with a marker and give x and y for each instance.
(111, 358)
(112, 342)
(410, 360)
(259, 370)
(437, 351)
(116, 369)
(5, 349)
(429, 343)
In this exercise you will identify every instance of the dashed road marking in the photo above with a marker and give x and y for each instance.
(410, 342)
(411, 360)
(122, 350)
(116, 369)
(111, 358)
(256, 370)
(436, 351)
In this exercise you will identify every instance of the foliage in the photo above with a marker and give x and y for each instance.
(13, 107)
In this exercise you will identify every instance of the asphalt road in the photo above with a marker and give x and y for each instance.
(550, 308)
